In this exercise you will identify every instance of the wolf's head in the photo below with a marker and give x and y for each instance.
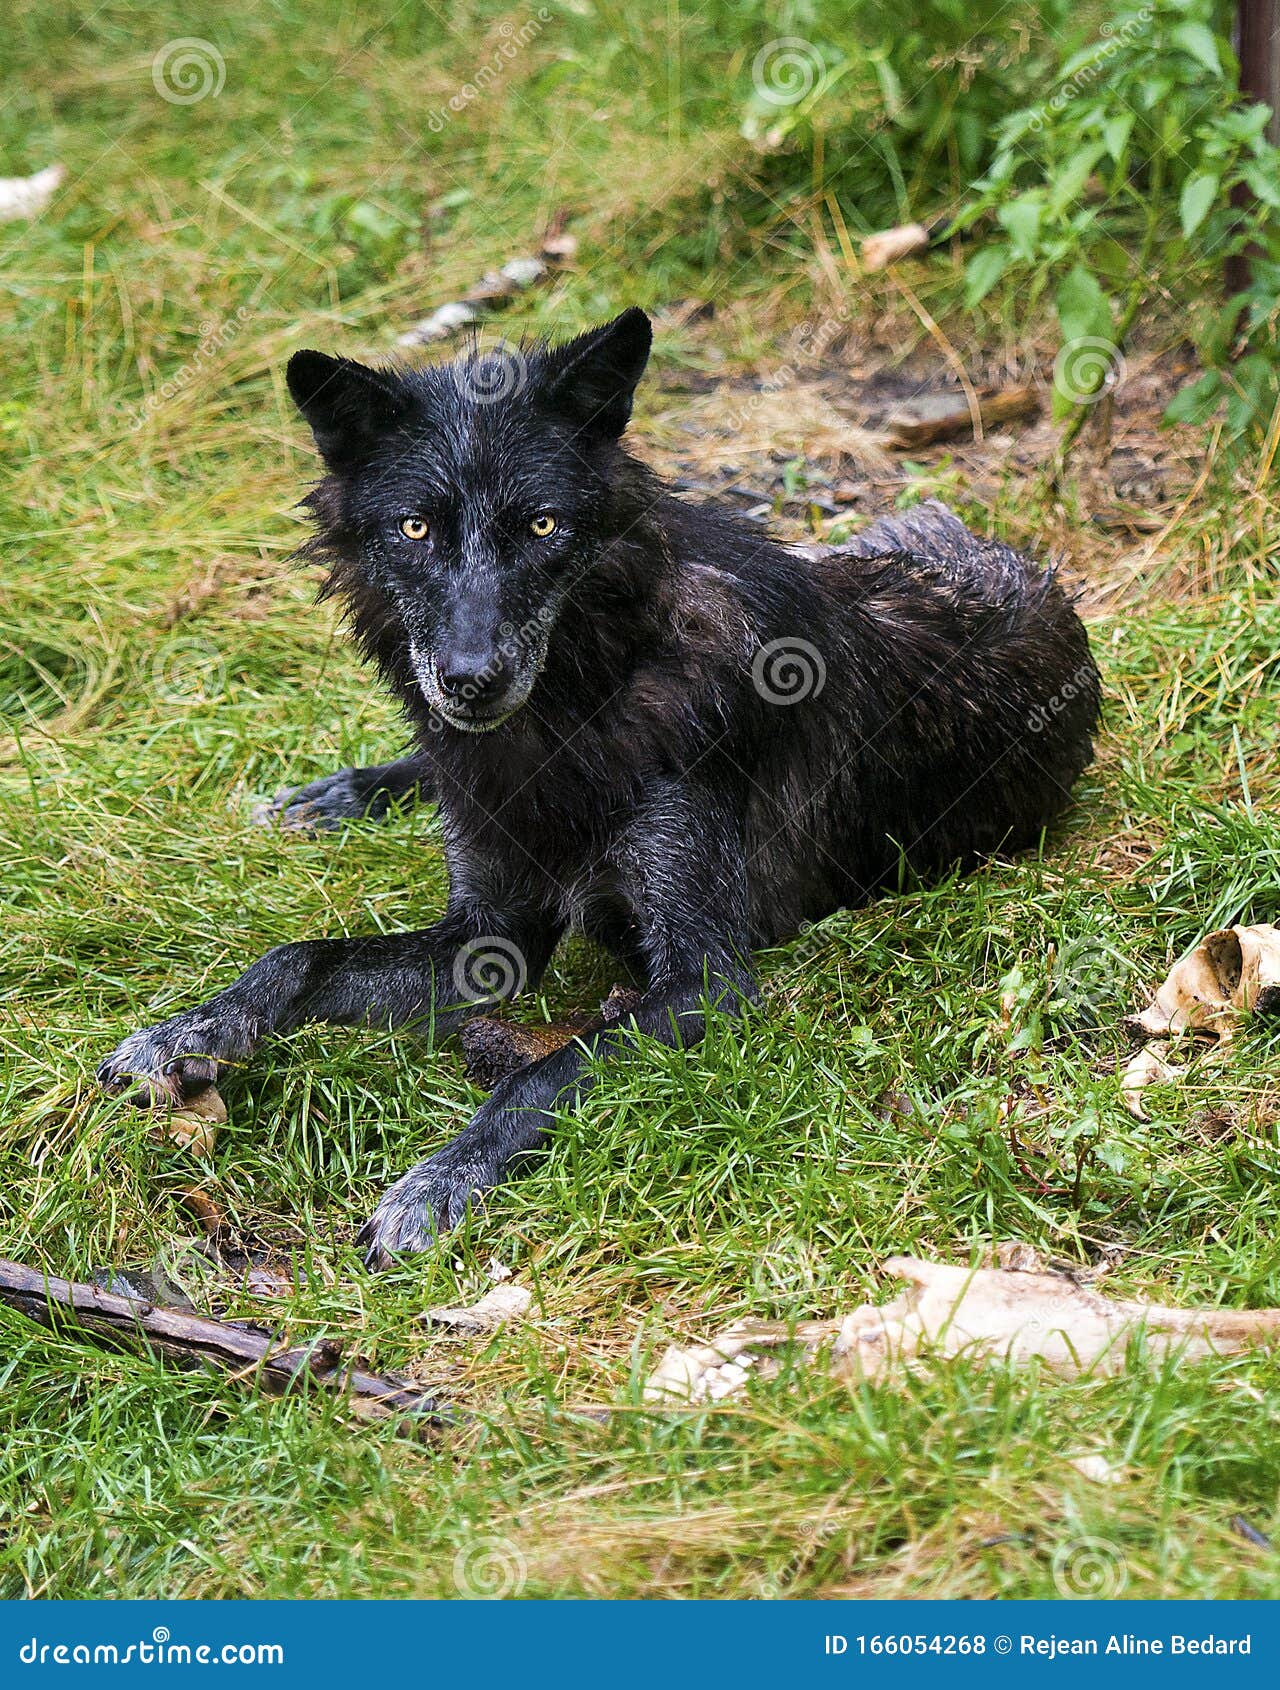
(472, 497)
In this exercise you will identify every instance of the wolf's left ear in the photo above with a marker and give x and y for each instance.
(592, 380)
(348, 405)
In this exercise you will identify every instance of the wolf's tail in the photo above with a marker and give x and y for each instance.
(986, 571)
(927, 530)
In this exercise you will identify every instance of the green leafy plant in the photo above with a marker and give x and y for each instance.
(885, 110)
(1138, 169)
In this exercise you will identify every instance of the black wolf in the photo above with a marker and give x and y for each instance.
(639, 717)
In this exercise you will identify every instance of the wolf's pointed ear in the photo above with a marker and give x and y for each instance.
(349, 406)
(592, 380)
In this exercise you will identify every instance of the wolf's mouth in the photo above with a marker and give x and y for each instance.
(473, 721)
(467, 718)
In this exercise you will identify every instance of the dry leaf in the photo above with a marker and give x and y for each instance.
(27, 196)
(1098, 1470)
(493, 1047)
(889, 245)
(494, 1309)
(949, 1311)
(1148, 1067)
(1015, 1257)
(193, 1124)
(1229, 974)
(206, 1209)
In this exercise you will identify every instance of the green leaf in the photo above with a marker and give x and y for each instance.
(1263, 183)
(373, 220)
(1083, 307)
(1198, 195)
(983, 271)
(1021, 219)
(1199, 40)
(1116, 132)
(1069, 179)
(1197, 401)
(1088, 351)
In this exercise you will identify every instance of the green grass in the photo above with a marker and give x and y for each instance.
(161, 666)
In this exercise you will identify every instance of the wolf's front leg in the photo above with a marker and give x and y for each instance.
(442, 974)
(517, 1118)
(688, 887)
(350, 795)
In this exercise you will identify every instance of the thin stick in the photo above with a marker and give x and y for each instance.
(190, 1340)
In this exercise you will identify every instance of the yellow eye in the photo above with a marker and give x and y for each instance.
(543, 526)
(414, 528)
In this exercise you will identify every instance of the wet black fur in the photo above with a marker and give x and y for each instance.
(724, 738)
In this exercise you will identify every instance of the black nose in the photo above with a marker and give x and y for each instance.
(467, 678)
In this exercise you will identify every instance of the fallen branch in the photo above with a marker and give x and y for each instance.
(924, 422)
(190, 1340)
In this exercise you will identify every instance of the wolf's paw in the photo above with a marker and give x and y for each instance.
(426, 1202)
(324, 803)
(179, 1057)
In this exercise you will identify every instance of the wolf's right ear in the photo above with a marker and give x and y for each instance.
(349, 406)
(592, 380)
